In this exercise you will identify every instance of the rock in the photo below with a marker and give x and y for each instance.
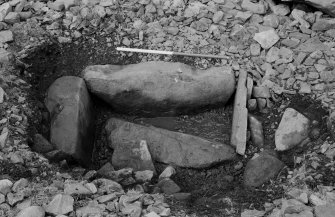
(256, 131)
(12, 199)
(168, 186)
(159, 88)
(325, 210)
(57, 5)
(107, 186)
(32, 211)
(316, 201)
(107, 3)
(260, 169)
(292, 43)
(5, 8)
(299, 195)
(152, 214)
(6, 36)
(217, 17)
(106, 198)
(255, 49)
(134, 155)
(168, 172)
(5, 186)
(252, 104)
(41, 144)
(12, 17)
(61, 204)
(76, 188)
(105, 169)
(252, 213)
(71, 112)
(90, 210)
(271, 20)
(266, 38)
(20, 184)
(257, 8)
(3, 139)
(292, 130)
(323, 24)
(144, 176)
(169, 147)
(298, 15)
(280, 9)
(261, 92)
(244, 16)
(201, 25)
(311, 45)
(327, 6)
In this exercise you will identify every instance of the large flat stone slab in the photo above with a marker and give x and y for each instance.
(71, 111)
(167, 146)
(159, 88)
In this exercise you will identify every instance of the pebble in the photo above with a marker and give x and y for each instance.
(61, 204)
(5, 186)
(266, 38)
(6, 36)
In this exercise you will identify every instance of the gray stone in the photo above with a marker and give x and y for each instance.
(257, 8)
(323, 24)
(256, 131)
(107, 3)
(252, 213)
(61, 204)
(90, 210)
(266, 38)
(71, 112)
(6, 36)
(311, 45)
(20, 184)
(271, 20)
(144, 176)
(5, 8)
(261, 169)
(167, 173)
(32, 211)
(201, 25)
(169, 147)
(168, 186)
(325, 210)
(243, 15)
(292, 130)
(76, 188)
(159, 88)
(272, 55)
(134, 155)
(292, 43)
(261, 92)
(107, 186)
(5, 186)
(217, 17)
(12, 199)
(12, 17)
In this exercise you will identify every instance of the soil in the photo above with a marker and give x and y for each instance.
(216, 191)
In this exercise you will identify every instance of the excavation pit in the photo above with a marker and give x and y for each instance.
(211, 188)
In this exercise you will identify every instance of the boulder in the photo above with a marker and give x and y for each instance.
(260, 169)
(159, 88)
(71, 112)
(167, 146)
(134, 155)
(327, 6)
(292, 130)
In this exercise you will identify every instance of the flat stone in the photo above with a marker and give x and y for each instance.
(167, 173)
(252, 213)
(167, 146)
(168, 186)
(76, 188)
(6, 36)
(325, 210)
(256, 131)
(243, 15)
(61, 204)
(261, 92)
(292, 130)
(266, 38)
(134, 155)
(271, 20)
(257, 8)
(305, 88)
(323, 24)
(255, 49)
(159, 88)
(272, 55)
(261, 169)
(90, 210)
(292, 43)
(12, 17)
(311, 45)
(71, 111)
(5, 186)
(32, 211)
(144, 176)
(5, 8)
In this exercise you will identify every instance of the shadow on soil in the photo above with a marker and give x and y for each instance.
(217, 191)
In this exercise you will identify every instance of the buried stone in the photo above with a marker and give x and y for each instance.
(71, 112)
(167, 146)
(159, 88)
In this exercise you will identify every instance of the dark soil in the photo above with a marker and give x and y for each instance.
(217, 191)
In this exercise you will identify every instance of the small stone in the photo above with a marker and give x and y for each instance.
(255, 49)
(152, 214)
(323, 24)
(2, 198)
(252, 213)
(292, 130)
(5, 8)
(12, 199)
(316, 201)
(12, 17)
(20, 184)
(257, 8)
(271, 20)
(3, 139)
(5, 186)
(292, 43)
(217, 17)
(305, 88)
(107, 3)
(280, 9)
(6, 36)
(58, 5)
(32, 211)
(76, 188)
(243, 15)
(266, 38)
(272, 55)
(144, 176)
(91, 187)
(261, 92)
(168, 186)
(61, 204)
(106, 198)
(168, 172)
(252, 104)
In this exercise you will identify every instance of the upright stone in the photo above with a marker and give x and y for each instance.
(169, 147)
(159, 88)
(292, 130)
(71, 111)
